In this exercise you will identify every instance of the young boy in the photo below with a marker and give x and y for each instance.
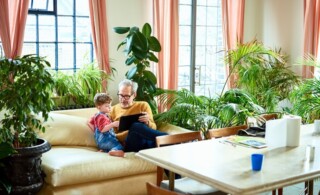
(102, 126)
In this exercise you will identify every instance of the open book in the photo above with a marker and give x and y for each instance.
(247, 141)
(126, 121)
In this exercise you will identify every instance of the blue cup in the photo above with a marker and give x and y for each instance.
(256, 161)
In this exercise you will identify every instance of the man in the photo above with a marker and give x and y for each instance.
(142, 134)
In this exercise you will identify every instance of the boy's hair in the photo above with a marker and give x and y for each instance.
(101, 98)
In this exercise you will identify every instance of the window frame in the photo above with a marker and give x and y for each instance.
(55, 66)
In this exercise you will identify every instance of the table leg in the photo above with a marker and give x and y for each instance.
(280, 191)
(171, 180)
(309, 187)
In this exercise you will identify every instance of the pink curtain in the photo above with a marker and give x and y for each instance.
(311, 33)
(232, 21)
(166, 26)
(99, 26)
(13, 16)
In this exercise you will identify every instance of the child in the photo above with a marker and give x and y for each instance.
(102, 126)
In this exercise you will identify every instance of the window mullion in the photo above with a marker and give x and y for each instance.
(193, 45)
(74, 37)
(56, 65)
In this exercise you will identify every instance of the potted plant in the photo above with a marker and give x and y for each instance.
(305, 97)
(232, 107)
(62, 85)
(74, 90)
(202, 113)
(139, 48)
(263, 73)
(90, 78)
(25, 90)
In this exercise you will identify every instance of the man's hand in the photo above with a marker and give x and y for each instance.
(144, 118)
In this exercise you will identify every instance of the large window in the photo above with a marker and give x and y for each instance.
(62, 35)
(201, 67)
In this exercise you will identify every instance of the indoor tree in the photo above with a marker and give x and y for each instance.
(139, 50)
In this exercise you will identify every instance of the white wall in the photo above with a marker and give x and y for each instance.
(278, 24)
(125, 13)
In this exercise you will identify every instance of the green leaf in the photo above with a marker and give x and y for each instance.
(121, 30)
(152, 57)
(129, 41)
(150, 76)
(122, 43)
(154, 44)
(140, 42)
(5, 150)
(146, 30)
(130, 60)
(131, 72)
(140, 55)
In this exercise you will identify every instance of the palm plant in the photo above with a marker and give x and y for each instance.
(306, 100)
(305, 97)
(263, 73)
(263, 79)
(202, 113)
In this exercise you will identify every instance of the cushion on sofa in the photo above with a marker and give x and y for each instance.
(67, 130)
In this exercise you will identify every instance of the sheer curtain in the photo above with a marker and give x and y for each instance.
(166, 25)
(233, 21)
(13, 16)
(98, 17)
(311, 33)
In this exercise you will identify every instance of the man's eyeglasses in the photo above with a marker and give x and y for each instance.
(126, 97)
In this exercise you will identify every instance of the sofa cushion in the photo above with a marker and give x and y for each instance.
(75, 165)
(67, 130)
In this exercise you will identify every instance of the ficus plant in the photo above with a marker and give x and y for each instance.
(25, 91)
(139, 47)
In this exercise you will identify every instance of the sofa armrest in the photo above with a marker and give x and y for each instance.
(172, 129)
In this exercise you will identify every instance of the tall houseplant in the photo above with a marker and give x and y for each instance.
(139, 49)
(263, 73)
(26, 86)
(232, 107)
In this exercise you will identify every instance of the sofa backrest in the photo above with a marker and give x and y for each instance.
(83, 112)
(63, 129)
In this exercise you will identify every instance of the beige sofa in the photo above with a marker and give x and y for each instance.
(74, 167)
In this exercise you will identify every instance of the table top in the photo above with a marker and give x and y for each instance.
(228, 167)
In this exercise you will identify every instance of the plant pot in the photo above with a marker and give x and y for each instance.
(23, 169)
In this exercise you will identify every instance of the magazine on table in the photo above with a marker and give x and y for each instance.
(247, 141)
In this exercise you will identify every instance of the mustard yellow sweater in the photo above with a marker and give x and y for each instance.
(136, 108)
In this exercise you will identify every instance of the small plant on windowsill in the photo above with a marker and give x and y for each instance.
(76, 90)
